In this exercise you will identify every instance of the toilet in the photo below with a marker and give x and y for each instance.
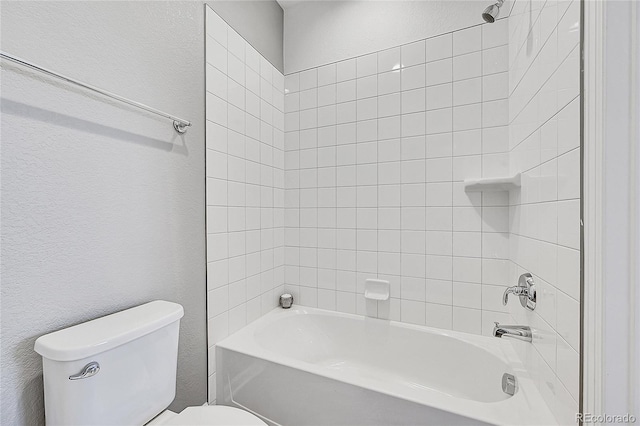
(121, 370)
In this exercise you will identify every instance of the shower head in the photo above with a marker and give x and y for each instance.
(491, 13)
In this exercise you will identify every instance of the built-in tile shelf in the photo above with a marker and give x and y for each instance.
(492, 184)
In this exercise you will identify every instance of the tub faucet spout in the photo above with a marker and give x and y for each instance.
(518, 332)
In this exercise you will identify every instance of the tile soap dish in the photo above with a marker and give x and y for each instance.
(492, 184)
(376, 289)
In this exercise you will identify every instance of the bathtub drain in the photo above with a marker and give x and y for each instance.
(509, 383)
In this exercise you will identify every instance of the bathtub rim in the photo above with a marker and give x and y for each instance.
(243, 341)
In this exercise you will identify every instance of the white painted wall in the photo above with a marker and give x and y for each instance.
(102, 204)
(321, 32)
(544, 139)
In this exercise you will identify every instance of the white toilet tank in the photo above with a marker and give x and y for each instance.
(136, 351)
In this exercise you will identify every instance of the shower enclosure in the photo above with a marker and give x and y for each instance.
(447, 163)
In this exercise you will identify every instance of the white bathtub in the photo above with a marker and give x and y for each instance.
(306, 366)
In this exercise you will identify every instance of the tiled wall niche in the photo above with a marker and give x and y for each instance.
(245, 184)
(544, 144)
(376, 151)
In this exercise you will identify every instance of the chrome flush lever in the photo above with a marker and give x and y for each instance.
(89, 370)
(526, 290)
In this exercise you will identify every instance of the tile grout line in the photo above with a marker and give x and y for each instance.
(452, 207)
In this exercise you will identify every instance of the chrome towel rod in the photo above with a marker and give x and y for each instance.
(178, 123)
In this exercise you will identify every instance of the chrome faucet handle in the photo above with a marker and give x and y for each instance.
(525, 290)
(516, 289)
(507, 292)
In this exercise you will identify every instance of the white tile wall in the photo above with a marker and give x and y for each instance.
(376, 149)
(245, 183)
(366, 181)
(544, 144)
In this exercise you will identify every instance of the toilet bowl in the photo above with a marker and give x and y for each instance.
(121, 369)
(213, 415)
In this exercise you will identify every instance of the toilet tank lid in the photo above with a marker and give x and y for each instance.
(101, 334)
